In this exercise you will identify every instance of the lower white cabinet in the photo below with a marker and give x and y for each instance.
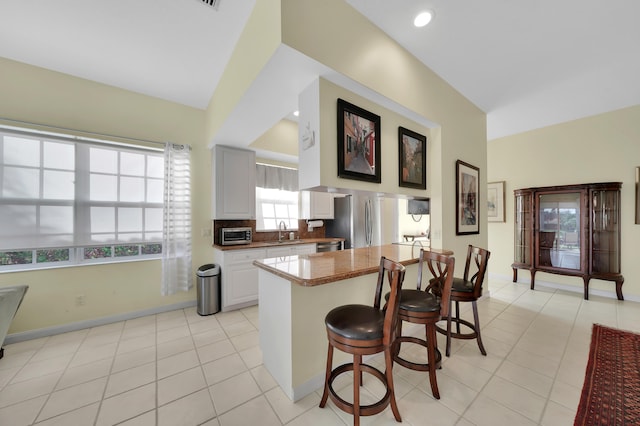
(239, 277)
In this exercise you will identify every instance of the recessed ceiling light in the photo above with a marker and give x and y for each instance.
(423, 18)
(296, 113)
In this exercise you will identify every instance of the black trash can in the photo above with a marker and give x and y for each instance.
(208, 289)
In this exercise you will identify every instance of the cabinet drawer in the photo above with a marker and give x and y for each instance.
(244, 255)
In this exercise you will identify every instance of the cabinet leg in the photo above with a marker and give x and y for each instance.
(533, 278)
(515, 275)
(619, 288)
(586, 287)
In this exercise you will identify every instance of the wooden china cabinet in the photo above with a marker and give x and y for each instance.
(569, 230)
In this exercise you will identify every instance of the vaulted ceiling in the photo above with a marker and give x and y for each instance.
(526, 64)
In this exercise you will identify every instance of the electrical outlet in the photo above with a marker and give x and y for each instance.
(80, 300)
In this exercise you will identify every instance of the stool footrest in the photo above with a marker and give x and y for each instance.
(472, 335)
(365, 410)
(412, 365)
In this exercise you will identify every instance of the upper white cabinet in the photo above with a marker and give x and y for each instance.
(233, 183)
(316, 205)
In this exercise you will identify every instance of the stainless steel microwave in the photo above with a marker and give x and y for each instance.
(233, 236)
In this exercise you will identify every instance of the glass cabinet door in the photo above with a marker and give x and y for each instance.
(523, 229)
(605, 232)
(559, 230)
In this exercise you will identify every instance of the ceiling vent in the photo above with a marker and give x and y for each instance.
(214, 4)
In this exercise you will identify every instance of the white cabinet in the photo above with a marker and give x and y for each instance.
(239, 276)
(233, 183)
(316, 205)
(291, 250)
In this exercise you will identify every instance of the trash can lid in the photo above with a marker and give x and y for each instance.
(208, 270)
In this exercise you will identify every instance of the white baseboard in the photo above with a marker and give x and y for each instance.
(50, 331)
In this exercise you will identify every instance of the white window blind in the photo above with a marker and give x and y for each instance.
(59, 192)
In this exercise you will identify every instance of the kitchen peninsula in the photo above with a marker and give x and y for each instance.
(296, 293)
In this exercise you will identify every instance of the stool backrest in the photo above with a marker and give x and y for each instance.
(395, 274)
(476, 266)
(441, 267)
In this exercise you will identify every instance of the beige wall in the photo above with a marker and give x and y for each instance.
(35, 95)
(602, 148)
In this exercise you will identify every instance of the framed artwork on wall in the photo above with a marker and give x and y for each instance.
(358, 143)
(495, 201)
(412, 159)
(467, 196)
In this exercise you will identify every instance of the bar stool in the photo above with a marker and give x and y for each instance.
(426, 307)
(365, 330)
(467, 290)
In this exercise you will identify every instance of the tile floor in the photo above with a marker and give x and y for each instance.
(178, 368)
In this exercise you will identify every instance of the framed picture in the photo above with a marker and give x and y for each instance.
(358, 143)
(412, 156)
(495, 201)
(467, 197)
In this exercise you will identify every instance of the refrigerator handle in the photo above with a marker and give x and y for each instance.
(367, 222)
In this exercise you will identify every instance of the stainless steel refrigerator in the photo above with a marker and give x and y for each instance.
(359, 220)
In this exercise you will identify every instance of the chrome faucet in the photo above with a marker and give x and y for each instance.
(281, 225)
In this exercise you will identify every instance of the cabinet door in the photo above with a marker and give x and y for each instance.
(234, 183)
(605, 232)
(316, 205)
(240, 277)
(523, 229)
(306, 249)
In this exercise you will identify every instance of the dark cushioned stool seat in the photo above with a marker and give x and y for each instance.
(359, 322)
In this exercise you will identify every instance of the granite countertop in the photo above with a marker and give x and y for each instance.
(275, 243)
(322, 268)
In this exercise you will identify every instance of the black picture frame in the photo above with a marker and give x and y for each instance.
(412, 159)
(358, 143)
(467, 197)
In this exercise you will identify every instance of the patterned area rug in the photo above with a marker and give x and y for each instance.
(611, 391)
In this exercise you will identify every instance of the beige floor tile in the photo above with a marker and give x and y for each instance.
(254, 412)
(82, 416)
(191, 410)
(22, 391)
(263, 378)
(525, 377)
(234, 392)
(69, 399)
(485, 411)
(223, 368)
(515, 398)
(238, 328)
(177, 363)
(252, 357)
(286, 409)
(180, 385)
(215, 351)
(146, 419)
(246, 341)
(42, 368)
(127, 405)
(176, 346)
(130, 379)
(23, 413)
(134, 359)
(84, 373)
(318, 416)
(556, 414)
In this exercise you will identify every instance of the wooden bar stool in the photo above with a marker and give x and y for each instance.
(365, 330)
(426, 307)
(467, 290)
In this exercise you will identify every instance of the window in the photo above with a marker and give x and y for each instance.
(274, 206)
(276, 197)
(65, 201)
